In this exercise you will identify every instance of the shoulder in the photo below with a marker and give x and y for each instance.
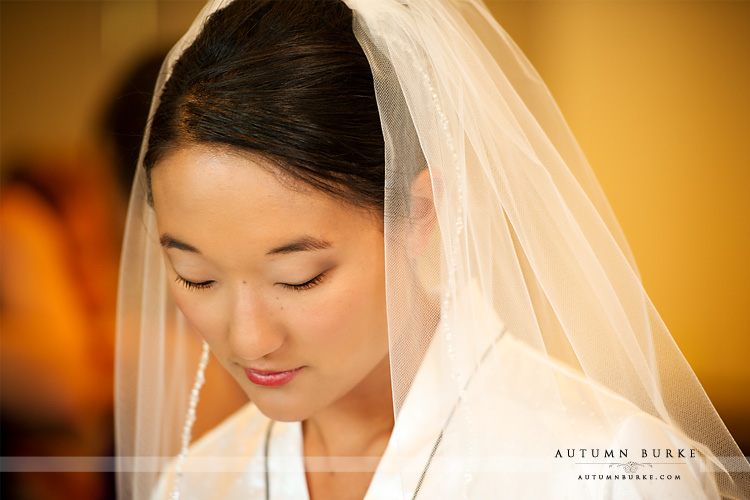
(222, 455)
(240, 432)
(581, 435)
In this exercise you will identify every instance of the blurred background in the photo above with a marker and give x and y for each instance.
(655, 92)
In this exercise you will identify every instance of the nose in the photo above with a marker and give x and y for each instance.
(254, 331)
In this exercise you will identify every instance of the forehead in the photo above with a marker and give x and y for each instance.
(213, 198)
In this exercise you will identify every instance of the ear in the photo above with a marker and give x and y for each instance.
(422, 216)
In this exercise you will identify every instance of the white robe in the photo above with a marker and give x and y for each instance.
(519, 441)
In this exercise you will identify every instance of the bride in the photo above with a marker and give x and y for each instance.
(373, 216)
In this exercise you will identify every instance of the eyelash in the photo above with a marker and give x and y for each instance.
(208, 284)
(194, 286)
(306, 285)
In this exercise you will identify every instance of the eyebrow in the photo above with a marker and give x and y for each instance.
(169, 241)
(304, 244)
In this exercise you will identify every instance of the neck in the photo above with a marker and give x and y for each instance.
(359, 424)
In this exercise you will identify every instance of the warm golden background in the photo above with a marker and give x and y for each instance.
(657, 93)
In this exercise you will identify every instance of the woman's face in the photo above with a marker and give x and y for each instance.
(286, 284)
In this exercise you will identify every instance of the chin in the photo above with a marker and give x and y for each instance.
(280, 410)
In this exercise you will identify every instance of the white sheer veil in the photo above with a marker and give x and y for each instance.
(523, 234)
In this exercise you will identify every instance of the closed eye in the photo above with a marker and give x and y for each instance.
(306, 285)
(190, 285)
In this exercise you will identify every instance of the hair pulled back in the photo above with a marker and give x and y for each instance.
(286, 80)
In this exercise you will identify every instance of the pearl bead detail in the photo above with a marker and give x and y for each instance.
(187, 429)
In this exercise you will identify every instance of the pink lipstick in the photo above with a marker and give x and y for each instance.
(270, 378)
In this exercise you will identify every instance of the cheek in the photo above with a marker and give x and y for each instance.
(350, 317)
(204, 314)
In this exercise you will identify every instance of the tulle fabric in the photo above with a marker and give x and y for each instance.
(524, 239)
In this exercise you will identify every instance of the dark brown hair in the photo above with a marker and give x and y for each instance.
(286, 80)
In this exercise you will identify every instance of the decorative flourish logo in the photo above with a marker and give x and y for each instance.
(631, 467)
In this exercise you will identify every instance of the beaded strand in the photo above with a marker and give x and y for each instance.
(189, 421)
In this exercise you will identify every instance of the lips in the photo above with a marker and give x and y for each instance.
(268, 378)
